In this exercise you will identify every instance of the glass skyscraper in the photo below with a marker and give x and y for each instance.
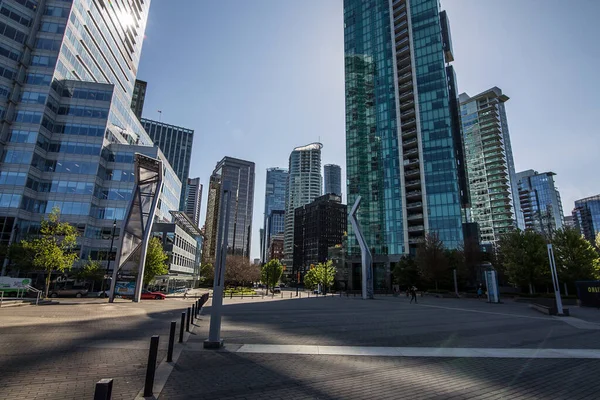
(241, 175)
(490, 167)
(403, 141)
(333, 179)
(275, 190)
(540, 201)
(193, 199)
(67, 132)
(586, 216)
(305, 185)
(138, 98)
(176, 142)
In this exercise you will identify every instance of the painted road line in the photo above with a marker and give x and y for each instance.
(442, 352)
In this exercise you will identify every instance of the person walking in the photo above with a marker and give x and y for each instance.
(479, 292)
(413, 294)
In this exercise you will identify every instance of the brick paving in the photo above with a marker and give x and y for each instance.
(202, 374)
(61, 351)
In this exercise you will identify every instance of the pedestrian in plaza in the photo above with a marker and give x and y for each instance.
(185, 294)
(413, 294)
(479, 292)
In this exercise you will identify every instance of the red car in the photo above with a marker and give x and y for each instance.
(146, 295)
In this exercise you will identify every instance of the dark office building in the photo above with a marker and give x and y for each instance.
(317, 227)
(176, 144)
(138, 97)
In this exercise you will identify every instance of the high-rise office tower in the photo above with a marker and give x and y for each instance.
(275, 190)
(193, 199)
(176, 142)
(67, 132)
(319, 225)
(490, 167)
(305, 185)
(333, 179)
(540, 201)
(241, 175)
(403, 142)
(586, 216)
(138, 98)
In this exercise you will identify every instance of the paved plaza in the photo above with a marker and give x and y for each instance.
(313, 348)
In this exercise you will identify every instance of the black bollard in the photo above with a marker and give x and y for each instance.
(193, 314)
(151, 368)
(171, 341)
(103, 389)
(187, 321)
(181, 327)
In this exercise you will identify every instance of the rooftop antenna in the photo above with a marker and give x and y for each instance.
(159, 115)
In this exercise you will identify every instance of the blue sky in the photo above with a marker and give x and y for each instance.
(255, 78)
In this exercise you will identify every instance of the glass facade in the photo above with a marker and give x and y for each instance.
(540, 201)
(275, 190)
(586, 216)
(138, 98)
(241, 175)
(492, 182)
(176, 143)
(193, 199)
(401, 137)
(333, 179)
(68, 135)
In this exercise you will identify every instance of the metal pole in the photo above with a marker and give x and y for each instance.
(171, 341)
(214, 336)
(193, 313)
(103, 389)
(555, 283)
(455, 283)
(187, 320)
(151, 368)
(181, 325)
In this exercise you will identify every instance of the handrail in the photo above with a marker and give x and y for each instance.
(1, 297)
(37, 292)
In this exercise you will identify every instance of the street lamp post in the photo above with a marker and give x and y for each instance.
(112, 240)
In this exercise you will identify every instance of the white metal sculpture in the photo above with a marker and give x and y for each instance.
(367, 260)
(137, 226)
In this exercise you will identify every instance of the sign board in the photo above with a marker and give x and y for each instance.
(588, 293)
(123, 288)
(12, 284)
(491, 282)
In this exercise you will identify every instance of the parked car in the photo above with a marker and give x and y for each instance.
(147, 295)
(74, 291)
(276, 289)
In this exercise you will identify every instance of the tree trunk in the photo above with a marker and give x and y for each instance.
(566, 290)
(93, 283)
(48, 282)
(436, 285)
(530, 289)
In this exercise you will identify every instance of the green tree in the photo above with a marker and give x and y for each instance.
(598, 241)
(207, 273)
(525, 258)
(576, 258)
(431, 260)
(321, 274)
(155, 261)
(271, 273)
(92, 271)
(53, 249)
(406, 272)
